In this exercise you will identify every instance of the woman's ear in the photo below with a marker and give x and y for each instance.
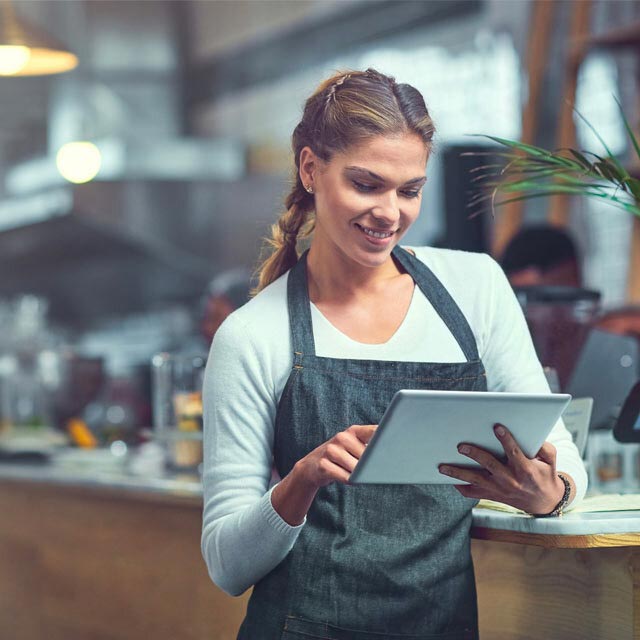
(308, 166)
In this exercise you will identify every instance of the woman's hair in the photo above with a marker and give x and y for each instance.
(346, 109)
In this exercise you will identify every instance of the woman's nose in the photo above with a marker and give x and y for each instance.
(388, 208)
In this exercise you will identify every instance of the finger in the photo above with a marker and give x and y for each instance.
(511, 448)
(364, 432)
(486, 460)
(340, 456)
(547, 454)
(332, 471)
(478, 478)
(348, 441)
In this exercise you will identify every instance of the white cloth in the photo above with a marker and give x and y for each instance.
(243, 537)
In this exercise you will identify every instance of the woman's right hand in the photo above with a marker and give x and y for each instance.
(332, 461)
(335, 459)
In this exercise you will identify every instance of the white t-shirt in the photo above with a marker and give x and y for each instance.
(243, 537)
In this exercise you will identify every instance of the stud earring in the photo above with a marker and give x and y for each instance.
(309, 189)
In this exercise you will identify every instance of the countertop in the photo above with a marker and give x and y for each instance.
(607, 528)
(180, 485)
(513, 525)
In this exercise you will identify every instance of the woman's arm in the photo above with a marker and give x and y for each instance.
(243, 537)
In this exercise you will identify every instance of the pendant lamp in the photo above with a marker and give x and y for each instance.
(26, 50)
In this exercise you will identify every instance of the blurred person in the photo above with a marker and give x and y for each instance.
(225, 293)
(541, 255)
(546, 255)
(301, 374)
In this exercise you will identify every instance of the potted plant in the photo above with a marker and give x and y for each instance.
(532, 172)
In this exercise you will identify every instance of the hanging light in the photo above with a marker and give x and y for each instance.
(26, 50)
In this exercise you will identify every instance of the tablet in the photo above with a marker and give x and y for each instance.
(422, 429)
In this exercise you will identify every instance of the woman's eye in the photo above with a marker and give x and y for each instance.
(366, 188)
(363, 187)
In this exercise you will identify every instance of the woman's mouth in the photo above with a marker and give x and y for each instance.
(375, 236)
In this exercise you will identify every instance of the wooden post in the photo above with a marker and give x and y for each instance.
(509, 217)
(633, 274)
(559, 205)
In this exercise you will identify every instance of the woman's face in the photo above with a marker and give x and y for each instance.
(366, 197)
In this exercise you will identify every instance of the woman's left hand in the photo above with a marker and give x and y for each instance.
(528, 484)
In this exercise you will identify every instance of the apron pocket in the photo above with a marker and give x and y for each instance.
(299, 629)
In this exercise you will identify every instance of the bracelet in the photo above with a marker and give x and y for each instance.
(557, 510)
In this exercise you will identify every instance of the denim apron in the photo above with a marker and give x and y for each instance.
(372, 561)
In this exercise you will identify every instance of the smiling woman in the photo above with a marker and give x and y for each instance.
(299, 377)
(365, 191)
(362, 145)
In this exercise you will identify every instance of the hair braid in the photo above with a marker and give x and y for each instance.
(291, 225)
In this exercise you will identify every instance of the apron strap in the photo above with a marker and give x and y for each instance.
(300, 310)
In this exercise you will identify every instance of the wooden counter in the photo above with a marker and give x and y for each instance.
(92, 563)
(98, 558)
(558, 586)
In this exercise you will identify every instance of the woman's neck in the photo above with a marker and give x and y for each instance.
(334, 276)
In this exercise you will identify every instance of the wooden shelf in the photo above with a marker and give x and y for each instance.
(621, 38)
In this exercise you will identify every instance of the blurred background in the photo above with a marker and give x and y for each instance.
(145, 150)
(156, 163)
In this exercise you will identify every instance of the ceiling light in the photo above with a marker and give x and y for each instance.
(26, 50)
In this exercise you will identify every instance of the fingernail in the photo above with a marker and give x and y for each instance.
(463, 448)
(444, 470)
(500, 430)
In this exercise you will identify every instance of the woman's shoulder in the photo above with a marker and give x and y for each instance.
(260, 320)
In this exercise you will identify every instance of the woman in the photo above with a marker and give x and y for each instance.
(303, 372)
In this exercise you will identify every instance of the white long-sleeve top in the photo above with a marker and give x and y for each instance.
(243, 537)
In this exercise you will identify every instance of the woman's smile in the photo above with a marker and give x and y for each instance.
(377, 237)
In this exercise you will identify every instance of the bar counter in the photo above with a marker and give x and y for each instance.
(112, 556)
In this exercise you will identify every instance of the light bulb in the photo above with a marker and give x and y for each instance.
(13, 59)
(78, 162)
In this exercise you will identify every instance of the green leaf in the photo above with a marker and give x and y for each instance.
(613, 160)
(521, 146)
(613, 168)
(631, 208)
(581, 159)
(592, 128)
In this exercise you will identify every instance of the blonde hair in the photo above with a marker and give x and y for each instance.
(346, 109)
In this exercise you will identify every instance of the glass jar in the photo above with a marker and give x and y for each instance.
(177, 407)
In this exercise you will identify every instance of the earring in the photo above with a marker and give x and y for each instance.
(309, 189)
